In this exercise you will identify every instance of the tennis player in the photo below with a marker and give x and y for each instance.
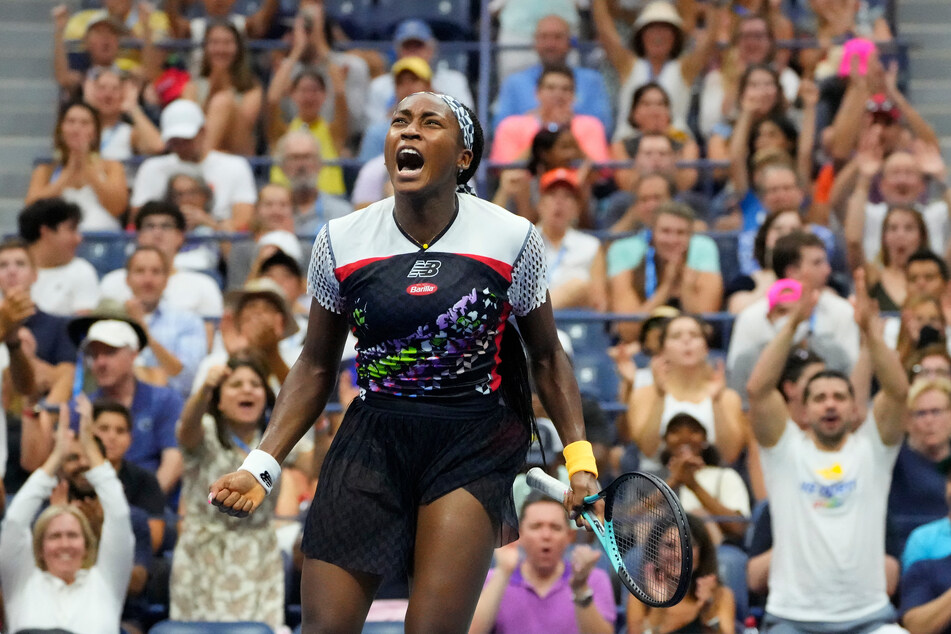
(419, 476)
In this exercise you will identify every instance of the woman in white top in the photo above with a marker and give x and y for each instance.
(126, 129)
(685, 382)
(226, 90)
(79, 175)
(55, 576)
(657, 55)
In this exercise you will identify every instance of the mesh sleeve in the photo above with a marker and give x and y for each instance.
(322, 284)
(529, 276)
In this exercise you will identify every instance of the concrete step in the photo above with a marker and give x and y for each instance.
(37, 11)
(26, 36)
(929, 91)
(938, 115)
(930, 63)
(9, 209)
(923, 12)
(19, 151)
(26, 65)
(16, 184)
(25, 120)
(41, 92)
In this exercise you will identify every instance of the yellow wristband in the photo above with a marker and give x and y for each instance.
(580, 457)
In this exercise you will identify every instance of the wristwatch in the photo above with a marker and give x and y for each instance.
(584, 599)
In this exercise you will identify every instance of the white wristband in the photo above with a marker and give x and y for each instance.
(263, 467)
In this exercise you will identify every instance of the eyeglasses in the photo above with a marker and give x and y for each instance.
(919, 370)
(158, 226)
(922, 414)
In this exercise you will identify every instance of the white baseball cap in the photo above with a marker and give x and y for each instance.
(113, 332)
(181, 119)
(283, 240)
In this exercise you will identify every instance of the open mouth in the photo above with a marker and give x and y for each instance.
(409, 161)
(246, 405)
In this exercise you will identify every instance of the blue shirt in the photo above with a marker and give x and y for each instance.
(517, 95)
(372, 143)
(181, 333)
(155, 411)
(931, 541)
(923, 583)
(917, 494)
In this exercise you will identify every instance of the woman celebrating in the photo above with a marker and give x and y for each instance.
(903, 232)
(219, 423)
(79, 175)
(126, 129)
(708, 606)
(684, 382)
(419, 476)
(650, 114)
(55, 576)
(658, 45)
(227, 91)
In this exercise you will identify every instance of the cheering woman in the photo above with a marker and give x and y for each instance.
(419, 476)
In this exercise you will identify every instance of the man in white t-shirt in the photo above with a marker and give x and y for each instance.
(65, 285)
(414, 38)
(831, 331)
(161, 225)
(830, 484)
(229, 176)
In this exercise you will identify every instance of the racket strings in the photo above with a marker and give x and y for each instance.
(648, 537)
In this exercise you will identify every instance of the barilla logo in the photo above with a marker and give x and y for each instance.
(421, 289)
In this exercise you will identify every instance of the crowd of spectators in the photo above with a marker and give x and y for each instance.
(742, 188)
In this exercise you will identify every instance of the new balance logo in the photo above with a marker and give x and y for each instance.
(425, 268)
(266, 479)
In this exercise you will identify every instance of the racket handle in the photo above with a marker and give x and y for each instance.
(541, 481)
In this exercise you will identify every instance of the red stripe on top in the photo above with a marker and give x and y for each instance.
(502, 268)
(344, 272)
(496, 377)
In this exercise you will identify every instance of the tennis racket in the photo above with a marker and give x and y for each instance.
(644, 534)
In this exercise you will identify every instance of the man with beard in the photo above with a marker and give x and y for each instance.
(827, 570)
(298, 156)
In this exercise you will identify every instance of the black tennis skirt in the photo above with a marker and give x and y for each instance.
(392, 455)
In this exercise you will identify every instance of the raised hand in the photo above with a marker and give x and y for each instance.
(870, 152)
(806, 305)
(583, 560)
(866, 308)
(215, 377)
(809, 93)
(660, 368)
(717, 381)
(507, 558)
(929, 160)
(60, 15)
(238, 494)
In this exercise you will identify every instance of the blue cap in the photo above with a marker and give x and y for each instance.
(412, 30)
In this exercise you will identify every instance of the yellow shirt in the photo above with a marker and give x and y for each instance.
(129, 58)
(330, 178)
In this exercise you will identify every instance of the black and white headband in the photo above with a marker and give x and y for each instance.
(468, 131)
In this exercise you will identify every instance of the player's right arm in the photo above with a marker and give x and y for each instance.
(302, 398)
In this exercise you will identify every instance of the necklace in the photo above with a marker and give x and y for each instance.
(425, 245)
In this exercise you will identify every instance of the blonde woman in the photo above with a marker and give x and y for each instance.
(55, 576)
